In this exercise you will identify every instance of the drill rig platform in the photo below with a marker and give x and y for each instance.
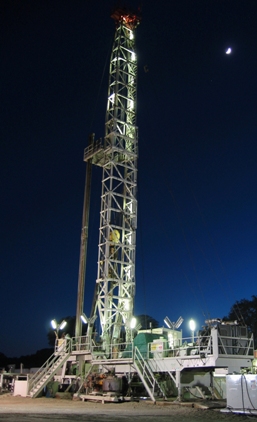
(157, 358)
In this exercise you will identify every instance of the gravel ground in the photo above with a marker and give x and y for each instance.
(43, 409)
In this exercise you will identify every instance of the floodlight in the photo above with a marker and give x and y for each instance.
(62, 325)
(168, 322)
(179, 322)
(133, 323)
(84, 318)
(54, 324)
(192, 325)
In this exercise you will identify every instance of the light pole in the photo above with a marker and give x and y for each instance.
(56, 327)
(192, 326)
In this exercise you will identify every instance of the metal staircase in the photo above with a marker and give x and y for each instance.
(147, 376)
(40, 379)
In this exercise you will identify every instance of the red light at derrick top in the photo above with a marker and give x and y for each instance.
(129, 19)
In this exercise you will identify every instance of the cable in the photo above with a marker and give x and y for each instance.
(100, 86)
(248, 395)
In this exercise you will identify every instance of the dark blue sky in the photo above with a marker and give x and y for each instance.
(197, 181)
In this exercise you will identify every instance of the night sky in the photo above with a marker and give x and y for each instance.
(197, 178)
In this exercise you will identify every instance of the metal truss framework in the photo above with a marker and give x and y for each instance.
(115, 284)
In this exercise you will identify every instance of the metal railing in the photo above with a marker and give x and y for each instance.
(92, 149)
(240, 346)
(146, 374)
(80, 344)
(84, 344)
(115, 351)
(184, 347)
(63, 350)
(202, 346)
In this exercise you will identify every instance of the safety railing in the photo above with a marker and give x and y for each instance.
(63, 350)
(114, 351)
(199, 346)
(240, 346)
(80, 344)
(146, 374)
(182, 348)
(202, 346)
(93, 148)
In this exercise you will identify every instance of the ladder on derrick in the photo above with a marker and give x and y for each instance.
(41, 378)
(147, 376)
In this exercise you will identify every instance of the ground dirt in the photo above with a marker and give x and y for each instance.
(24, 409)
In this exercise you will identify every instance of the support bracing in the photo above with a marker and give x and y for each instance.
(115, 284)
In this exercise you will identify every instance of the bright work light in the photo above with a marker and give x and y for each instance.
(54, 324)
(192, 325)
(56, 327)
(84, 318)
(62, 325)
(133, 323)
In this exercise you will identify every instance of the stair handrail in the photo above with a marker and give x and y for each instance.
(64, 349)
(138, 359)
(166, 369)
(146, 370)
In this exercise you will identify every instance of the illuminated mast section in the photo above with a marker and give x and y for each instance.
(115, 284)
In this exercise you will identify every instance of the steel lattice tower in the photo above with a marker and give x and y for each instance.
(115, 283)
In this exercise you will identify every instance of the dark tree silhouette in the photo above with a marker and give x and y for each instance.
(245, 312)
(35, 360)
(145, 321)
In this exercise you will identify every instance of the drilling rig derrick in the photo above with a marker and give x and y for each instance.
(115, 284)
(154, 354)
